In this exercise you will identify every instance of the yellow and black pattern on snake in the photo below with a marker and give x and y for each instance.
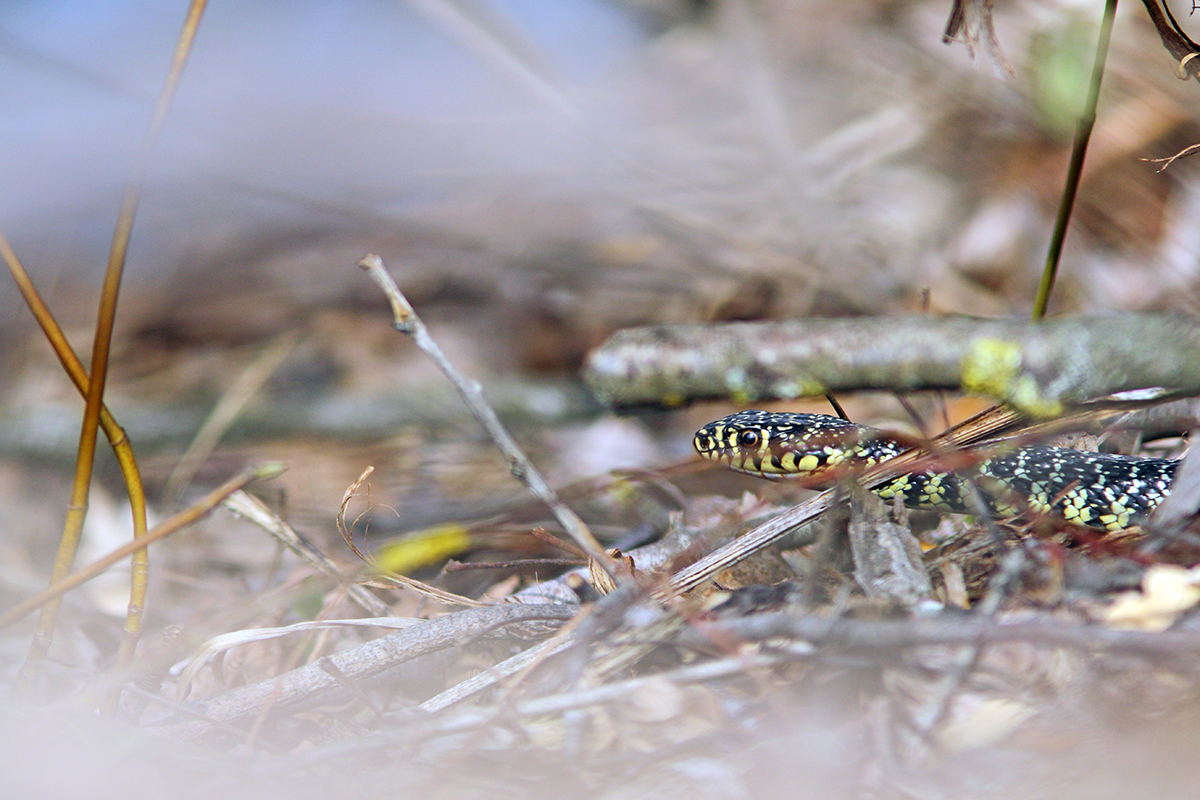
(1098, 490)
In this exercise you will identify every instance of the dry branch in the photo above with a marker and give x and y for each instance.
(1038, 368)
(406, 321)
(943, 630)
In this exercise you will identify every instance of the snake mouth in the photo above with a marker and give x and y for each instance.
(758, 472)
(770, 462)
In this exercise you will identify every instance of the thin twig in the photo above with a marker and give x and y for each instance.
(1187, 151)
(407, 322)
(392, 578)
(545, 537)
(523, 563)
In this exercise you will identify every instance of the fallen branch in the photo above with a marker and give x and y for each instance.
(1038, 368)
(952, 630)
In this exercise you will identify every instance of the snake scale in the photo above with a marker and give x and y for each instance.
(1098, 490)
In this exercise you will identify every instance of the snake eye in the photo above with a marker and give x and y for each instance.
(749, 438)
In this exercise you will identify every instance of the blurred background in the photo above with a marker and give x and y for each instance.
(536, 175)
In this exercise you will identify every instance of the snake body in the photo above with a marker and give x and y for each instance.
(1098, 490)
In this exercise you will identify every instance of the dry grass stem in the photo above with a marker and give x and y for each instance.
(226, 412)
(118, 440)
(346, 529)
(101, 346)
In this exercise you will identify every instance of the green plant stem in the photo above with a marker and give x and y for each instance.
(1083, 135)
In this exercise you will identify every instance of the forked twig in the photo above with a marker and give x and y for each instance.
(1166, 162)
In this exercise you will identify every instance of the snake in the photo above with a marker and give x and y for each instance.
(1097, 490)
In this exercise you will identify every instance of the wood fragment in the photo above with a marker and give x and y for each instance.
(887, 557)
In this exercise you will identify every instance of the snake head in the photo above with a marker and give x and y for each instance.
(781, 445)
